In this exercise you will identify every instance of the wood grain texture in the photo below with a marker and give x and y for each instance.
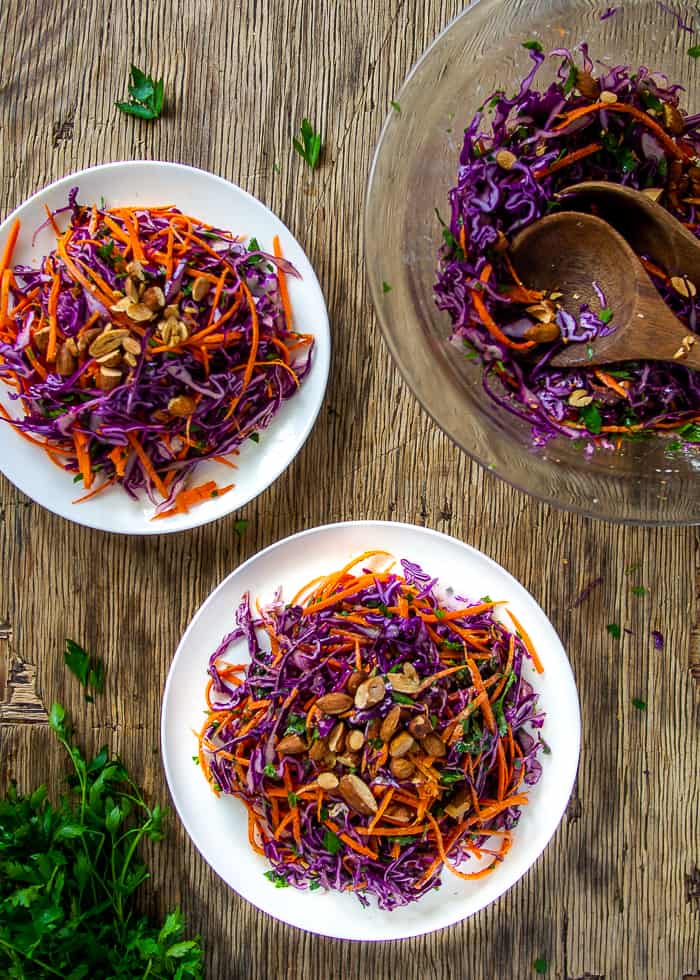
(616, 894)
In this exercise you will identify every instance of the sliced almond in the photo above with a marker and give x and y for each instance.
(357, 795)
(182, 406)
(397, 813)
(318, 749)
(122, 305)
(369, 693)
(420, 726)
(140, 313)
(41, 339)
(355, 679)
(608, 98)
(506, 160)
(587, 85)
(171, 311)
(135, 269)
(72, 346)
(335, 703)
(86, 338)
(200, 288)
(113, 359)
(401, 745)
(459, 804)
(433, 745)
(683, 286)
(132, 346)
(328, 781)
(131, 288)
(336, 739)
(543, 333)
(653, 192)
(108, 378)
(402, 768)
(153, 298)
(404, 684)
(130, 360)
(106, 342)
(579, 398)
(390, 724)
(292, 744)
(355, 740)
(350, 759)
(174, 332)
(65, 361)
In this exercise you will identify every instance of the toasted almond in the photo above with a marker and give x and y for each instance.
(292, 744)
(86, 338)
(587, 85)
(132, 290)
(335, 703)
(433, 745)
(357, 795)
(200, 288)
(369, 693)
(653, 192)
(543, 333)
(402, 768)
(122, 305)
(132, 346)
(174, 332)
(336, 739)
(420, 726)
(328, 781)
(106, 342)
(397, 813)
(41, 339)
(135, 269)
(506, 160)
(108, 378)
(65, 361)
(318, 749)
(688, 340)
(544, 311)
(349, 759)
(401, 745)
(680, 353)
(608, 98)
(72, 346)
(390, 724)
(113, 359)
(153, 298)
(459, 804)
(579, 398)
(182, 406)
(130, 360)
(355, 740)
(140, 313)
(171, 311)
(355, 679)
(673, 119)
(404, 684)
(683, 286)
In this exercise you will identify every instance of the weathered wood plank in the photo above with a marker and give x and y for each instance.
(616, 893)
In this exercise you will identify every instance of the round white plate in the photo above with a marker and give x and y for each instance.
(218, 202)
(218, 826)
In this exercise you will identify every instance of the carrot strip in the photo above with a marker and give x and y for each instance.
(611, 383)
(568, 160)
(488, 320)
(282, 280)
(53, 321)
(386, 800)
(479, 685)
(6, 257)
(528, 644)
(147, 466)
(630, 110)
(81, 443)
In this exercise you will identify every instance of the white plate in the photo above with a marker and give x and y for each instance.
(218, 827)
(218, 202)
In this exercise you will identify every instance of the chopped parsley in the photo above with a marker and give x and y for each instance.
(614, 630)
(309, 147)
(332, 842)
(639, 704)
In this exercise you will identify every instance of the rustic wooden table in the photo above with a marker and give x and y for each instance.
(617, 893)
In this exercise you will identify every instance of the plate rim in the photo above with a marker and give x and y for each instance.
(571, 764)
(199, 516)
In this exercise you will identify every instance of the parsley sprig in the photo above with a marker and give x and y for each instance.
(89, 670)
(309, 147)
(69, 873)
(145, 96)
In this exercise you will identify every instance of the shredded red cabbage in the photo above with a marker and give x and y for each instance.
(446, 679)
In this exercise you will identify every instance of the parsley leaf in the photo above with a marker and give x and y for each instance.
(694, 52)
(90, 671)
(606, 314)
(386, 288)
(447, 778)
(395, 106)
(146, 96)
(639, 704)
(240, 526)
(541, 965)
(614, 630)
(591, 418)
(690, 432)
(296, 725)
(309, 148)
(278, 880)
(639, 590)
(270, 771)
(332, 842)
(533, 46)
(401, 698)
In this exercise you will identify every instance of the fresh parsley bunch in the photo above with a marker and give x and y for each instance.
(68, 877)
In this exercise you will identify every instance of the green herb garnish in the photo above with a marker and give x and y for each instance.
(614, 630)
(639, 590)
(447, 777)
(239, 526)
(639, 704)
(694, 51)
(270, 771)
(332, 842)
(591, 418)
(395, 106)
(606, 314)
(386, 288)
(309, 148)
(296, 725)
(90, 671)
(401, 698)
(278, 880)
(541, 965)
(533, 46)
(146, 96)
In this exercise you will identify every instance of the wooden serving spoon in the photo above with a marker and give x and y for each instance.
(648, 227)
(569, 251)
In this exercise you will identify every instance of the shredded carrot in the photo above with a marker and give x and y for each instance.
(611, 383)
(81, 441)
(666, 141)
(568, 160)
(281, 278)
(488, 320)
(528, 643)
(6, 257)
(147, 466)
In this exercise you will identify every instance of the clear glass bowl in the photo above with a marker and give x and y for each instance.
(414, 168)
